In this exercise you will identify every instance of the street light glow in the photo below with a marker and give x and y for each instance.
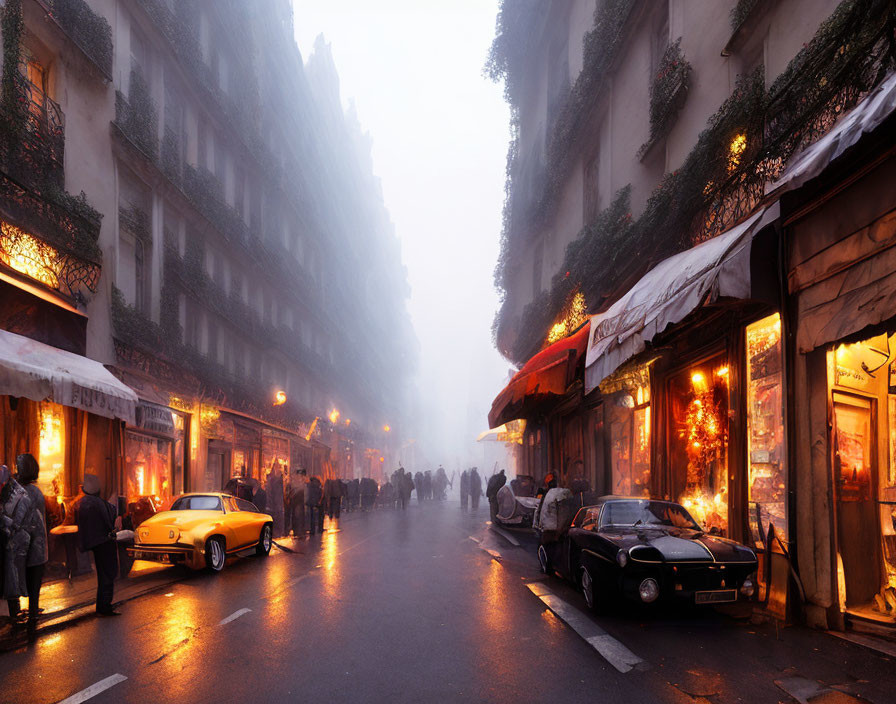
(279, 398)
(387, 428)
(334, 416)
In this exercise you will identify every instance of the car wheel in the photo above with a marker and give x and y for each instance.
(215, 554)
(265, 541)
(588, 588)
(543, 560)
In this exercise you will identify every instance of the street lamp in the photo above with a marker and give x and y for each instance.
(334, 416)
(387, 428)
(279, 398)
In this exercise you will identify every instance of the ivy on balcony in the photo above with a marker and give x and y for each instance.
(90, 31)
(746, 143)
(136, 115)
(32, 195)
(667, 94)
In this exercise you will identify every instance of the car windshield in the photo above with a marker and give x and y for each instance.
(649, 513)
(197, 503)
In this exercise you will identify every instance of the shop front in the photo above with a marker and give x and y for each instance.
(156, 459)
(841, 245)
(67, 411)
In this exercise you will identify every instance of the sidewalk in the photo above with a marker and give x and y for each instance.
(66, 601)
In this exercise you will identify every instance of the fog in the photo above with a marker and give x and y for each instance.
(413, 72)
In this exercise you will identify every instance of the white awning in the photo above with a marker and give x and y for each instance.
(43, 373)
(871, 111)
(718, 268)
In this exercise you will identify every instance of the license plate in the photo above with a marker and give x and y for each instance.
(717, 596)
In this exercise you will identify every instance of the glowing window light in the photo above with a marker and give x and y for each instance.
(736, 150)
(28, 255)
(572, 318)
(334, 416)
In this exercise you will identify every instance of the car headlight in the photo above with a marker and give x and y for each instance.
(622, 558)
(748, 588)
(648, 590)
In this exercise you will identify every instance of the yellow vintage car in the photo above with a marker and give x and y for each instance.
(201, 530)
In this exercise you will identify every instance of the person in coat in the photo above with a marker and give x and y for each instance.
(407, 487)
(332, 498)
(295, 504)
(354, 493)
(15, 519)
(27, 471)
(314, 496)
(96, 521)
(427, 485)
(418, 485)
(475, 488)
(495, 482)
(369, 490)
(274, 489)
(464, 489)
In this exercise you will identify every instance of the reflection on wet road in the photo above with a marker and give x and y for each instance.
(395, 607)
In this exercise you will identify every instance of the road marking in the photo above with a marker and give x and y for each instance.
(494, 553)
(475, 540)
(234, 616)
(94, 689)
(610, 649)
(507, 536)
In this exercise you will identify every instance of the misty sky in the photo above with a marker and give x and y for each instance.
(440, 132)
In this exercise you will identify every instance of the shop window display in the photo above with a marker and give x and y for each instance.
(51, 454)
(699, 442)
(765, 429)
(148, 469)
(628, 414)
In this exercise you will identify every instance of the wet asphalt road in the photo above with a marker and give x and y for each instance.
(406, 607)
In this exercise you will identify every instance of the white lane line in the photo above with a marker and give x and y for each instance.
(475, 540)
(94, 689)
(234, 616)
(610, 649)
(507, 536)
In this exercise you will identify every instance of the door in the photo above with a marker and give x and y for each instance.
(855, 478)
(215, 467)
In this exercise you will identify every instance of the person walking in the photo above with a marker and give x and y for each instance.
(418, 486)
(427, 485)
(475, 488)
(332, 499)
(495, 482)
(274, 490)
(354, 492)
(368, 493)
(27, 471)
(464, 489)
(407, 487)
(15, 519)
(96, 521)
(296, 506)
(314, 496)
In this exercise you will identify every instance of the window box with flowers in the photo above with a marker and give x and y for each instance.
(667, 94)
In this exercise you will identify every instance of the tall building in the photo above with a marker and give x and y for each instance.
(694, 277)
(195, 257)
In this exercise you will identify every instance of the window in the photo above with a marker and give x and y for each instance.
(767, 461)
(244, 505)
(197, 503)
(220, 162)
(131, 279)
(660, 38)
(591, 193)
(38, 86)
(698, 441)
(148, 462)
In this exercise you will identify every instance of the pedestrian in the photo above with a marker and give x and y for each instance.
(475, 488)
(314, 496)
(332, 499)
(354, 493)
(96, 521)
(368, 493)
(495, 482)
(387, 495)
(296, 506)
(440, 484)
(15, 517)
(274, 489)
(407, 487)
(418, 485)
(27, 471)
(464, 489)
(427, 485)
(550, 482)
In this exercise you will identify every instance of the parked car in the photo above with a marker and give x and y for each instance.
(201, 530)
(515, 511)
(646, 549)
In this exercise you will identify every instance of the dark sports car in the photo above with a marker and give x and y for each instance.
(644, 550)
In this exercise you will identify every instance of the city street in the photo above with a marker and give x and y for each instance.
(426, 605)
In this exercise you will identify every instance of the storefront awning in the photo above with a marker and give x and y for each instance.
(549, 373)
(40, 372)
(718, 268)
(869, 114)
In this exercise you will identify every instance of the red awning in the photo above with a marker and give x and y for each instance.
(549, 373)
